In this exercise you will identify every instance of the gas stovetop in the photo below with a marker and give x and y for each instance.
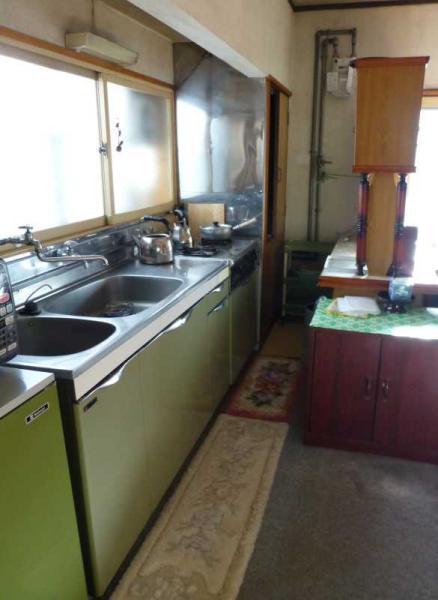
(234, 250)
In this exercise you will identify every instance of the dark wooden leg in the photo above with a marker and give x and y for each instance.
(394, 269)
(364, 189)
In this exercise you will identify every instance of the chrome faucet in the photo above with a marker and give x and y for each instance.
(27, 239)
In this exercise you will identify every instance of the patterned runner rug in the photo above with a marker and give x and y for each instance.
(200, 546)
(267, 389)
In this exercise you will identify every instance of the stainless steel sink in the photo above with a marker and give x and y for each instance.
(117, 295)
(49, 336)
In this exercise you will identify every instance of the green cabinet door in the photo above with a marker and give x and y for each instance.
(112, 453)
(40, 557)
(218, 331)
(174, 375)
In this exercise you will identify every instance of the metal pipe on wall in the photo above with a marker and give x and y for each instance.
(323, 39)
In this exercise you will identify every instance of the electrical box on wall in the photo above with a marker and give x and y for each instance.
(340, 78)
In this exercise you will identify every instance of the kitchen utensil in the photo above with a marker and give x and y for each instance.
(237, 214)
(181, 233)
(220, 232)
(154, 248)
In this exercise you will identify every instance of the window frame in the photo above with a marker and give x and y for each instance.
(25, 47)
(149, 88)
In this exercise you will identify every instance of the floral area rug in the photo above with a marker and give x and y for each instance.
(200, 546)
(267, 389)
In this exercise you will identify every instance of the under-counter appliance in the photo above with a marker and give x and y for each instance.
(244, 311)
(8, 323)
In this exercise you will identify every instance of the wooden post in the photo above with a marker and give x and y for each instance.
(400, 204)
(364, 190)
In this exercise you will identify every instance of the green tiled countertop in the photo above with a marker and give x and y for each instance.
(415, 323)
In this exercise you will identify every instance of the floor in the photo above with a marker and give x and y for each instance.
(345, 526)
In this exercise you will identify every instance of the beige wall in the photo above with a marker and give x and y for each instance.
(259, 30)
(50, 19)
(253, 36)
(389, 31)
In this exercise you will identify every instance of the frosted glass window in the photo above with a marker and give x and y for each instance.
(141, 148)
(49, 159)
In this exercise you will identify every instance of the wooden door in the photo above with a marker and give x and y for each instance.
(277, 112)
(407, 413)
(343, 389)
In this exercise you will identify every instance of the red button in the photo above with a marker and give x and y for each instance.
(4, 298)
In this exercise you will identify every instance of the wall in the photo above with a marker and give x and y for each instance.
(51, 19)
(261, 31)
(253, 36)
(385, 31)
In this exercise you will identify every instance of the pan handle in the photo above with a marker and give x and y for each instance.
(244, 224)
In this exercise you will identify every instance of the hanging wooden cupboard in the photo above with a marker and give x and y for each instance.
(389, 94)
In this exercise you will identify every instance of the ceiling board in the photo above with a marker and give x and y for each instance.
(304, 5)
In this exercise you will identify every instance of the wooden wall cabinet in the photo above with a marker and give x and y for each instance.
(373, 393)
(389, 96)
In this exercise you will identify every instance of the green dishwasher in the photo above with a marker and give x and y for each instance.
(40, 557)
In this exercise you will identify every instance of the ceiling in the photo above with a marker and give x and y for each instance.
(302, 5)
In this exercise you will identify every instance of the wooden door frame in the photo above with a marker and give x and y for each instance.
(271, 83)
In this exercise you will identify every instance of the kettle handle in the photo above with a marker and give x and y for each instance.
(180, 214)
(157, 220)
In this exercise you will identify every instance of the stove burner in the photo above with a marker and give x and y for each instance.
(217, 242)
(205, 252)
(121, 309)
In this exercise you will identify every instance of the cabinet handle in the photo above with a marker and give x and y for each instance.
(112, 379)
(218, 289)
(219, 307)
(385, 389)
(369, 383)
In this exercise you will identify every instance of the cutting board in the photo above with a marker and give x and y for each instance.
(204, 214)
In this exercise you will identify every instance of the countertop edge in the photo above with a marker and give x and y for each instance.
(42, 380)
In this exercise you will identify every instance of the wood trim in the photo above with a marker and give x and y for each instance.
(397, 61)
(39, 46)
(134, 215)
(431, 93)
(364, 4)
(384, 169)
(275, 83)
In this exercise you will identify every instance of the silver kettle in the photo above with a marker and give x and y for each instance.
(154, 248)
(181, 234)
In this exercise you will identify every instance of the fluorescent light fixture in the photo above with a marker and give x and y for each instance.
(89, 43)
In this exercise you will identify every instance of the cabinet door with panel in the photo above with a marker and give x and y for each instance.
(343, 398)
(175, 387)
(112, 454)
(40, 556)
(407, 416)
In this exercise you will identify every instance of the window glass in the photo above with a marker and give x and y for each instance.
(422, 201)
(141, 148)
(49, 159)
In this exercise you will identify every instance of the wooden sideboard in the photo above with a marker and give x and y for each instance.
(375, 392)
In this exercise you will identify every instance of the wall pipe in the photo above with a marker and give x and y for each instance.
(323, 39)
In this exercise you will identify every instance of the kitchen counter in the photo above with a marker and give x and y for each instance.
(416, 323)
(19, 385)
(89, 367)
(340, 272)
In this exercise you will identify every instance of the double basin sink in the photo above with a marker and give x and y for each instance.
(100, 301)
